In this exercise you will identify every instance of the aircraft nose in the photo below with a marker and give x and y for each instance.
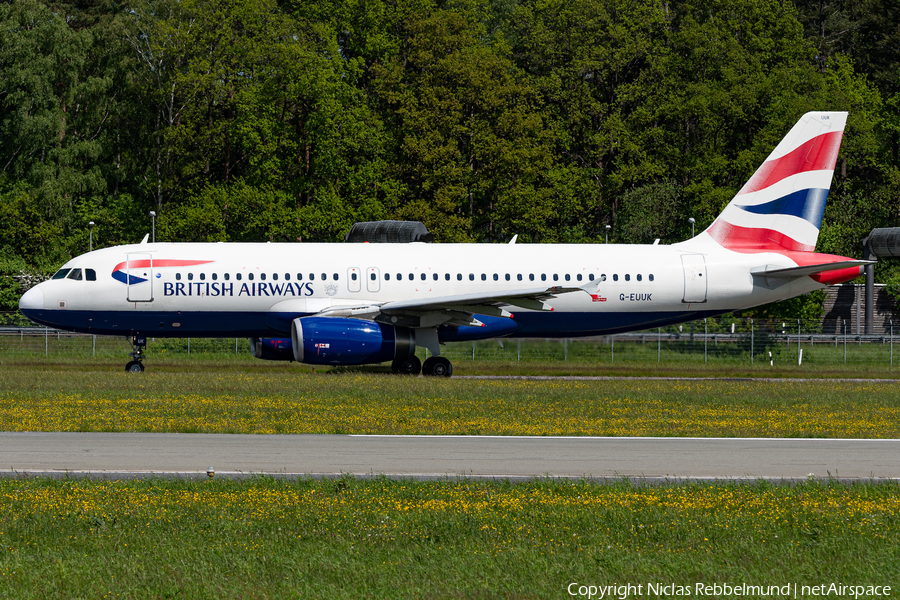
(33, 299)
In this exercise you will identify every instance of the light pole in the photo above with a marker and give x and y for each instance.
(91, 236)
(607, 227)
(692, 221)
(153, 225)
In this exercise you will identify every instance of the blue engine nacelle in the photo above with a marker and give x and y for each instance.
(340, 341)
(272, 348)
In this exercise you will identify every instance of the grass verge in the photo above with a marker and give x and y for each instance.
(348, 538)
(286, 401)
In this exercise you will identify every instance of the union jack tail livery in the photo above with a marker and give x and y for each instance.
(780, 209)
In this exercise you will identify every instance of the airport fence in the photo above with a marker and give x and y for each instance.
(710, 341)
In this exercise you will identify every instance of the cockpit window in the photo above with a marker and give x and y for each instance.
(75, 274)
(61, 274)
(90, 275)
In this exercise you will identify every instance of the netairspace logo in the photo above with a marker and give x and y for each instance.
(722, 590)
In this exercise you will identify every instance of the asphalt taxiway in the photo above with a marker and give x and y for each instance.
(165, 454)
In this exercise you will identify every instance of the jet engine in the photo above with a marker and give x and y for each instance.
(340, 341)
(271, 348)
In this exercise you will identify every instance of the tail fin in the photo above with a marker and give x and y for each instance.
(781, 207)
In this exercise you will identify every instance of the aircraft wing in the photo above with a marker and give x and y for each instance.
(532, 298)
(458, 309)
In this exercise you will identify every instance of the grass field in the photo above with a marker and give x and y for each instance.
(353, 538)
(401, 539)
(638, 354)
(205, 398)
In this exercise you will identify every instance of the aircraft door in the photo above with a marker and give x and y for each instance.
(373, 279)
(694, 278)
(139, 277)
(354, 279)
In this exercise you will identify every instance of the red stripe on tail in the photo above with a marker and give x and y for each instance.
(739, 238)
(818, 154)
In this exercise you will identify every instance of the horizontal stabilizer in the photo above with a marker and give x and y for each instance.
(773, 272)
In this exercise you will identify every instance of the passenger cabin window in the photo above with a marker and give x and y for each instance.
(215, 276)
(312, 276)
(507, 276)
(627, 277)
(519, 277)
(615, 276)
(227, 276)
(483, 277)
(422, 277)
(434, 276)
(590, 276)
(203, 276)
(287, 276)
(371, 276)
(299, 276)
(61, 274)
(543, 277)
(237, 276)
(459, 276)
(531, 277)
(578, 277)
(471, 276)
(250, 276)
(191, 277)
(353, 276)
(177, 276)
(334, 276)
(446, 276)
(387, 277)
(650, 277)
(497, 277)
(411, 277)
(638, 276)
(555, 277)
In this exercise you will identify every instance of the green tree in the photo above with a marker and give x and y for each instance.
(471, 151)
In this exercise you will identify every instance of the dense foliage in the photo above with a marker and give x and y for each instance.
(288, 121)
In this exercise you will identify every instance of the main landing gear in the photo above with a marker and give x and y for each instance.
(407, 366)
(138, 343)
(435, 366)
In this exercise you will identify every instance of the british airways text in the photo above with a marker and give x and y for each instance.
(228, 289)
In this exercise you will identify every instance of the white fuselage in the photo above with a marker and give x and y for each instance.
(231, 289)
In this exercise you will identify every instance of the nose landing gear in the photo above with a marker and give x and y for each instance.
(138, 343)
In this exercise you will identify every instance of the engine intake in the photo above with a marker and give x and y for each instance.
(340, 341)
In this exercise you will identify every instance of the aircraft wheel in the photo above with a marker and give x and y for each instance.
(409, 366)
(134, 367)
(437, 366)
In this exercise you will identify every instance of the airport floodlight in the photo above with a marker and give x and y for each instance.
(692, 220)
(153, 225)
(90, 236)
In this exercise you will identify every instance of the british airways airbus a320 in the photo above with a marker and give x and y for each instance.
(352, 304)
